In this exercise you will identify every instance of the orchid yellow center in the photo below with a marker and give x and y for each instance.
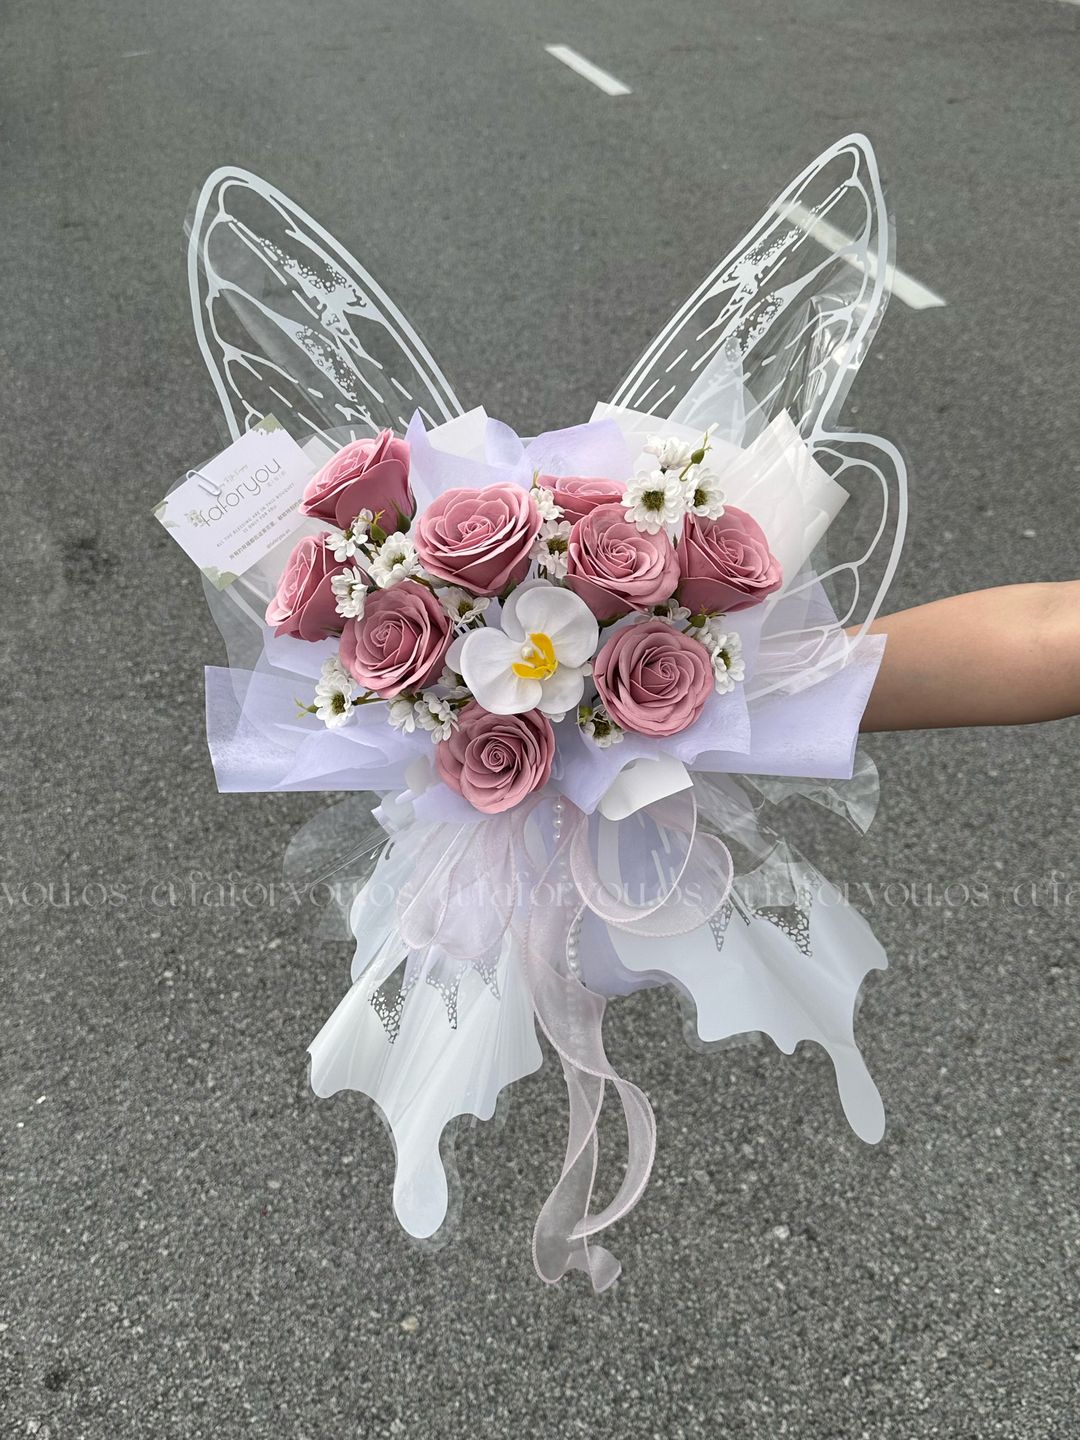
(537, 658)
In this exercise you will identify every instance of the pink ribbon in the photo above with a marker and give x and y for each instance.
(571, 1016)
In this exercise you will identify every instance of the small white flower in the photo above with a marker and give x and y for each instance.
(402, 715)
(334, 673)
(450, 684)
(671, 611)
(713, 632)
(704, 496)
(729, 651)
(350, 591)
(394, 560)
(433, 713)
(464, 609)
(537, 660)
(598, 725)
(550, 550)
(725, 648)
(334, 694)
(670, 453)
(545, 503)
(350, 541)
(339, 542)
(654, 500)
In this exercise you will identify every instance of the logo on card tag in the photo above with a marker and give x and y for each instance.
(230, 513)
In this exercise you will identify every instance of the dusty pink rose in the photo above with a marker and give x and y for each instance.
(577, 495)
(653, 679)
(305, 604)
(496, 761)
(479, 539)
(726, 564)
(615, 567)
(400, 641)
(366, 475)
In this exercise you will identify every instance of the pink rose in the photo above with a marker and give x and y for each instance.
(399, 642)
(366, 475)
(615, 567)
(726, 564)
(305, 604)
(496, 761)
(653, 679)
(577, 495)
(479, 539)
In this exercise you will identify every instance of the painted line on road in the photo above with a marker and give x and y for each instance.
(135, 54)
(600, 78)
(914, 294)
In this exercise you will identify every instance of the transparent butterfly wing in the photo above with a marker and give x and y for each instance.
(428, 1037)
(786, 957)
(810, 631)
(290, 323)
(787, 313)
(859, 556)
(783, 324)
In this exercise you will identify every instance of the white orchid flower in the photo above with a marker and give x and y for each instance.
(538, 660)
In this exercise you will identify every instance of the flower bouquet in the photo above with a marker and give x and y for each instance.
(573, 678)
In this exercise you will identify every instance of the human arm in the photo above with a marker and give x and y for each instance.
(1009, 656)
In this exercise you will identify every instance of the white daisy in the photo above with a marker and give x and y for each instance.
(654, 500)
(550, 550)
(350, 541)
(433, 713)
(725, 648)
(598, 725)
(670, 453)
(394, 560)
(402, 715)
(703, 495)
(464, 609)
(350, 591)
(334, 694)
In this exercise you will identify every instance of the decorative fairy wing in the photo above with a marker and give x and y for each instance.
(289, 323)
(788, 314)
(861, 550)
(427, 1051)
(435, 1031)
(782, 324)
(786, 956)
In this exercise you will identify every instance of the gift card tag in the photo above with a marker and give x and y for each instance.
(231, 512)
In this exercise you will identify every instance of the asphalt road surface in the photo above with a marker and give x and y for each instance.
(194, 1246)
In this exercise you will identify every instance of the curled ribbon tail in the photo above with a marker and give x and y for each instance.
(572, 1019)
(571, 1015)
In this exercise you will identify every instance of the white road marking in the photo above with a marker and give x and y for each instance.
(911, 292)
(135, 54)
(600, 78)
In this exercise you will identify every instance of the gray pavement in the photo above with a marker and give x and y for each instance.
(193, 1246)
